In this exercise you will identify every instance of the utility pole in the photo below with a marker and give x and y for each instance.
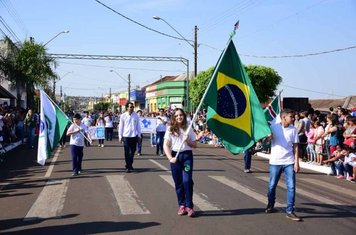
(129, 87)
(195, 50)
(54, 90)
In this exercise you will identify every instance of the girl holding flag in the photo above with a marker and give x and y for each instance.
(176, 139)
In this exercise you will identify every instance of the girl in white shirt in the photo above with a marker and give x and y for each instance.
(176, 139)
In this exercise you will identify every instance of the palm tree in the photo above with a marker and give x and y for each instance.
(34, 62)
(27, 66)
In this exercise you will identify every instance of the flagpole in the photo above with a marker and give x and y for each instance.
(232, 34)
(89, 140)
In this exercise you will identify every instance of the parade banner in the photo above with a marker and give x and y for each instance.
(96, 132)
(148, 125)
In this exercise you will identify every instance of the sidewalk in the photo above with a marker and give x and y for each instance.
(317, 168)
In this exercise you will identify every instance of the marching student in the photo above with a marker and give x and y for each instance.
(181, 165)
(76, 133)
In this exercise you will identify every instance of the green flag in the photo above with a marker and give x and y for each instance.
(234, 111)
(273, 110)
(52, 125)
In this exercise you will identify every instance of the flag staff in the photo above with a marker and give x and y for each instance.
(232, 34)
(89, 140)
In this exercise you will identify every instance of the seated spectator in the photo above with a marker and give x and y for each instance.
(336, 161)
(349, 163)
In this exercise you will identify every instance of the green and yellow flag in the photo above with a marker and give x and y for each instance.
(234, 111)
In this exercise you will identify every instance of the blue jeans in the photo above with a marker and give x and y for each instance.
(159, 142)
(76, 153)
(130, 144)
(182, 173)
(31, 136)
(139, 144)
(275, 172)
(247, 159)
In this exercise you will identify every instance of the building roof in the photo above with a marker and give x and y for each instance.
(348, 102)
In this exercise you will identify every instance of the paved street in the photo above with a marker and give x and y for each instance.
(106, 200)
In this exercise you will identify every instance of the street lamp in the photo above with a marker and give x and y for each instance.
(195, 47)
(54, 84)
(126, 80)
(65, 31)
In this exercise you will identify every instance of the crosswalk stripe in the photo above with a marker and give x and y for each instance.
(50, 202)
(126, 197)
(307, 194)
(159, 165)
(244, 189)
(3, 185)
(199, 201)
(332, 187)
(53, 162)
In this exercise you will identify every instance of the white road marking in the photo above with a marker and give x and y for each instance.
(3, 185)
(307, 194)
(126, 197)
(54, 159)
(50, 202)
(245, 190)
(329, 186)
(198, 199)
(159, 165)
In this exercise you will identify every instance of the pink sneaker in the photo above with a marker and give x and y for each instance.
(350, 178)
(182, 211)
(340, 177)
(191, 212)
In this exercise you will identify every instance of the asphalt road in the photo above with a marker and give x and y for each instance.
(106, 200)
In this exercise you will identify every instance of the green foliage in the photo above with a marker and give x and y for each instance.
(198, 85)
(102, 106)
(264, 80)
(25, 66)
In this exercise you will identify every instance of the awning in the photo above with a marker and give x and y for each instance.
(5, 93)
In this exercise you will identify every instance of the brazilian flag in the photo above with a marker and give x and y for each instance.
(234, 111)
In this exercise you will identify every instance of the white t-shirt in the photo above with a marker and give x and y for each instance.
(282, 144)
(108, 122)
(87, 121)
(160, 126)
(77, 138)
(176, 141)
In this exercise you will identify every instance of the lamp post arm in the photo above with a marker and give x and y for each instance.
(67, 31)
(177, 32)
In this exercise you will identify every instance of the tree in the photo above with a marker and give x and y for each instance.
(197, 85)
(27, 65)
(36, 65)
(102, 106)
(264, 80)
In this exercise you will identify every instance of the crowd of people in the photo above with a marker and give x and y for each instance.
(328, 139)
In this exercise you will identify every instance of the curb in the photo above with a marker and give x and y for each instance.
(304, 165)
(12, 146)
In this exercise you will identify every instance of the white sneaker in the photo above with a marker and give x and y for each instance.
(102, 145)
(99, 145)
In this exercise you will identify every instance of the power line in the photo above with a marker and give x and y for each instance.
(8, 28)
(13, 13)
(138, 23)
(318, 92)
(300, 55)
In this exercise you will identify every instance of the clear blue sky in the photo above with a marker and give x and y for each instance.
(267, 28)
